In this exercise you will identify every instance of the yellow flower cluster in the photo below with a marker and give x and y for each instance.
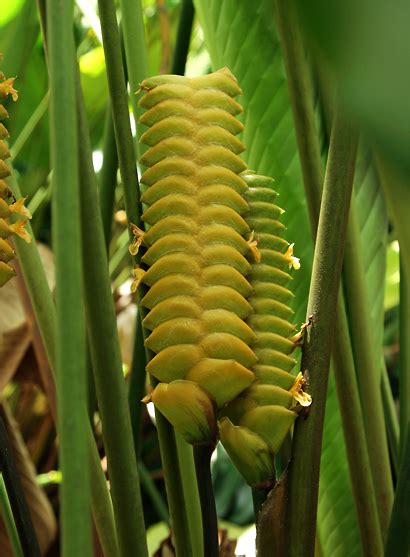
(9, 206)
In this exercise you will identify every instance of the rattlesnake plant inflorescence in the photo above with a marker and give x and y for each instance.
(218, 317)
(8, 204)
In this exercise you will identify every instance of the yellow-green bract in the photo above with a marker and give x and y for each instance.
(218, 317)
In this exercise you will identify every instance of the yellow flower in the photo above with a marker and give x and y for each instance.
(304, 399)
(6, 88)
(292, 260)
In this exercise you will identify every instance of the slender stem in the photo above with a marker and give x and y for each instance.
(186, 20)
(137, 384)
(119, 102)
(202, 455)
(16, 496)
(368, 369)
(108, 176)
(302, 106)
(8, 520)
(355, 438)
(392, 421)
(174, 486)
(135, 50)
(44, 309)
(404, 355)
(398, 538)
(191, 494)
(150, 488)
(327, 267)
(30, 126)
(71, 384)
(106, 357)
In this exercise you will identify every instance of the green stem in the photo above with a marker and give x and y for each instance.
(326, 273)
(368, 369)
(398, 538)
(16, 496)
(135, 50)
(119, 103)
(108, 176)
(186, 20)
(137, 384)
(355, 438)
(191, 494)
(302, 106)
(106, 357)
(404, 355)
(174, 486)
(392, 421)
(44, 309)
(71, 384)
(30, 126)
(150, 488)
(202, 455)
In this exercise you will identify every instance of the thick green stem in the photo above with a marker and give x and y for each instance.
(326, 273)
(202, 455)
(355, 438)
(174, 486)
(107, 362)
(136, 390)
(71, 383)
(186, 20)
(191, 494)
(16, 496)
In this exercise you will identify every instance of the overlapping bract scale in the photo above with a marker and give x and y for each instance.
(254, 425)
(8, 205)
(216, 265)
(197, 250)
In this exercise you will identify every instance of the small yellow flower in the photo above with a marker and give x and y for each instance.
(139, 238)
(304, 399)
(18, 229)
(253, 247)
(6, 88)
(18, 207)
(138, 274)
(292, 260)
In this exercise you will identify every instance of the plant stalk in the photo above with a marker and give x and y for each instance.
(326, 273)
(404, 356)
(202, 456)
(355, 438)
(106, 357)
(186, 20)
(71, 373)
(108, 176)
